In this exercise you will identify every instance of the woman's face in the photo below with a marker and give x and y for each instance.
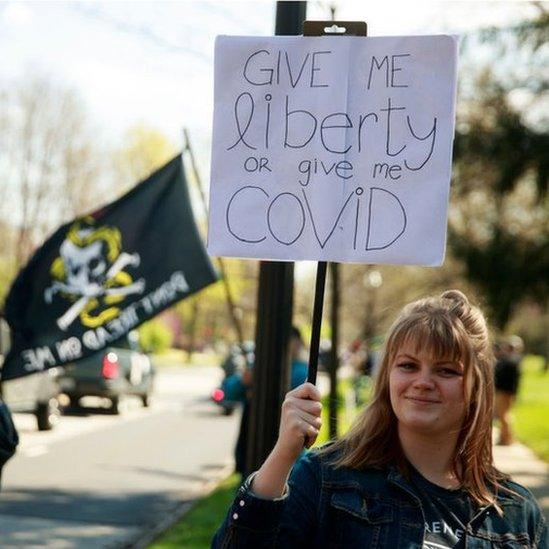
(427, 395)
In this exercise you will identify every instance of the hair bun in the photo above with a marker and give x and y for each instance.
(459, 298)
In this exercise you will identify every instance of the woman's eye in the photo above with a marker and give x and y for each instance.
(407, 366)
(449, 372)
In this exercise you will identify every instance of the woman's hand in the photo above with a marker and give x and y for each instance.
(300, 421)
(299, 426)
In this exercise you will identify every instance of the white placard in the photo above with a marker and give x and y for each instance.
(332, 148)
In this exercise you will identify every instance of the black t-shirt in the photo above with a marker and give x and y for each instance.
(507, 374)
(447, 513)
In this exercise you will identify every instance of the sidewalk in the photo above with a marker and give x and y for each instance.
(527, 469)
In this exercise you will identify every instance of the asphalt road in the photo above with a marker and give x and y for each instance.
(100, 481)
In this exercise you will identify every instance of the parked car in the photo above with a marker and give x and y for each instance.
(36, 393)
(120, 369)
(232, 392)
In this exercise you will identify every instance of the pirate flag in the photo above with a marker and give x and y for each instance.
(102, 275)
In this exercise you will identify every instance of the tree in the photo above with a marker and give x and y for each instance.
(206, 317)
(498, 215)
(144, 150)
(49, 160)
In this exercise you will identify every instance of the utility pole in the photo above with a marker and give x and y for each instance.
(274, 316)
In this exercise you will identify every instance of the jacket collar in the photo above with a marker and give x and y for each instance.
(396, 478)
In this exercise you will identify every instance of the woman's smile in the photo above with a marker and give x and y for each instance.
(422, 400)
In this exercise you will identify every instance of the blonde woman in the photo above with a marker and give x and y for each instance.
(416, 468)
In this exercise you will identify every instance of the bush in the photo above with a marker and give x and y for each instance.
(154, 336)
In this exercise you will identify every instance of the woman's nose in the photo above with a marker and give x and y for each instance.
(424, 380)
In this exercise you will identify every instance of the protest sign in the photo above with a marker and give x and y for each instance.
(332, 148)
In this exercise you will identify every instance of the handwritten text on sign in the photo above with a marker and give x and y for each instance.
(332, 148)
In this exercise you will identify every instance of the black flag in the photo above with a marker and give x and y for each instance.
(101, 275)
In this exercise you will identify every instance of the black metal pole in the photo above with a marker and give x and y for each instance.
(317, 320)
(274, 316)
(290, 17)
(333, 362)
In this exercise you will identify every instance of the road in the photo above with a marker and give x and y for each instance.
(99, 481)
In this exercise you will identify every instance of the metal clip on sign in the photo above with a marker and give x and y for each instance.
(325, 28)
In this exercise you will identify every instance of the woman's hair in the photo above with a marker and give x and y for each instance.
(450, 328)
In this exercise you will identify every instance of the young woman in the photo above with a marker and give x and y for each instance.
(416, 468)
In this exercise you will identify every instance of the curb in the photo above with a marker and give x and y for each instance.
(144, 540)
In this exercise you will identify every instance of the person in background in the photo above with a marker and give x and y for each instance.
(298, 375)
(242, 439)
(507, 377)
(360, 358)
(298, 358)
(416, 468)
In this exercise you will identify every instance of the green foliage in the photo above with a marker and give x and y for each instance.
(145, 150)
(200, 523)
(205, 317)
(532, 407)
(508, 269)
(154, 336)
(351, 397)
(498, 214)
(7, 275)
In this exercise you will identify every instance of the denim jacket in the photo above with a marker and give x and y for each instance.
(346, 508)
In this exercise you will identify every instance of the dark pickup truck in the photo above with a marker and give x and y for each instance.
(120, 369)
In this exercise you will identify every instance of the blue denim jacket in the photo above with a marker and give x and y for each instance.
(346, 508)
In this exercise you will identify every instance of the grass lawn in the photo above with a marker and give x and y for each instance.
(200, 523)
(531, 409)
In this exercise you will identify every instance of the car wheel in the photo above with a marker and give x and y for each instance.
(146, 400)
(115, 406)
(47, 414)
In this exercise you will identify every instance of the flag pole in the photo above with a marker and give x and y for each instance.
(220, 263)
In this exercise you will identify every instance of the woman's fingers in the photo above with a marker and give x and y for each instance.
(306, 432)
(302, 423)
(308, 406)
(311, 419)
(306, 390)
